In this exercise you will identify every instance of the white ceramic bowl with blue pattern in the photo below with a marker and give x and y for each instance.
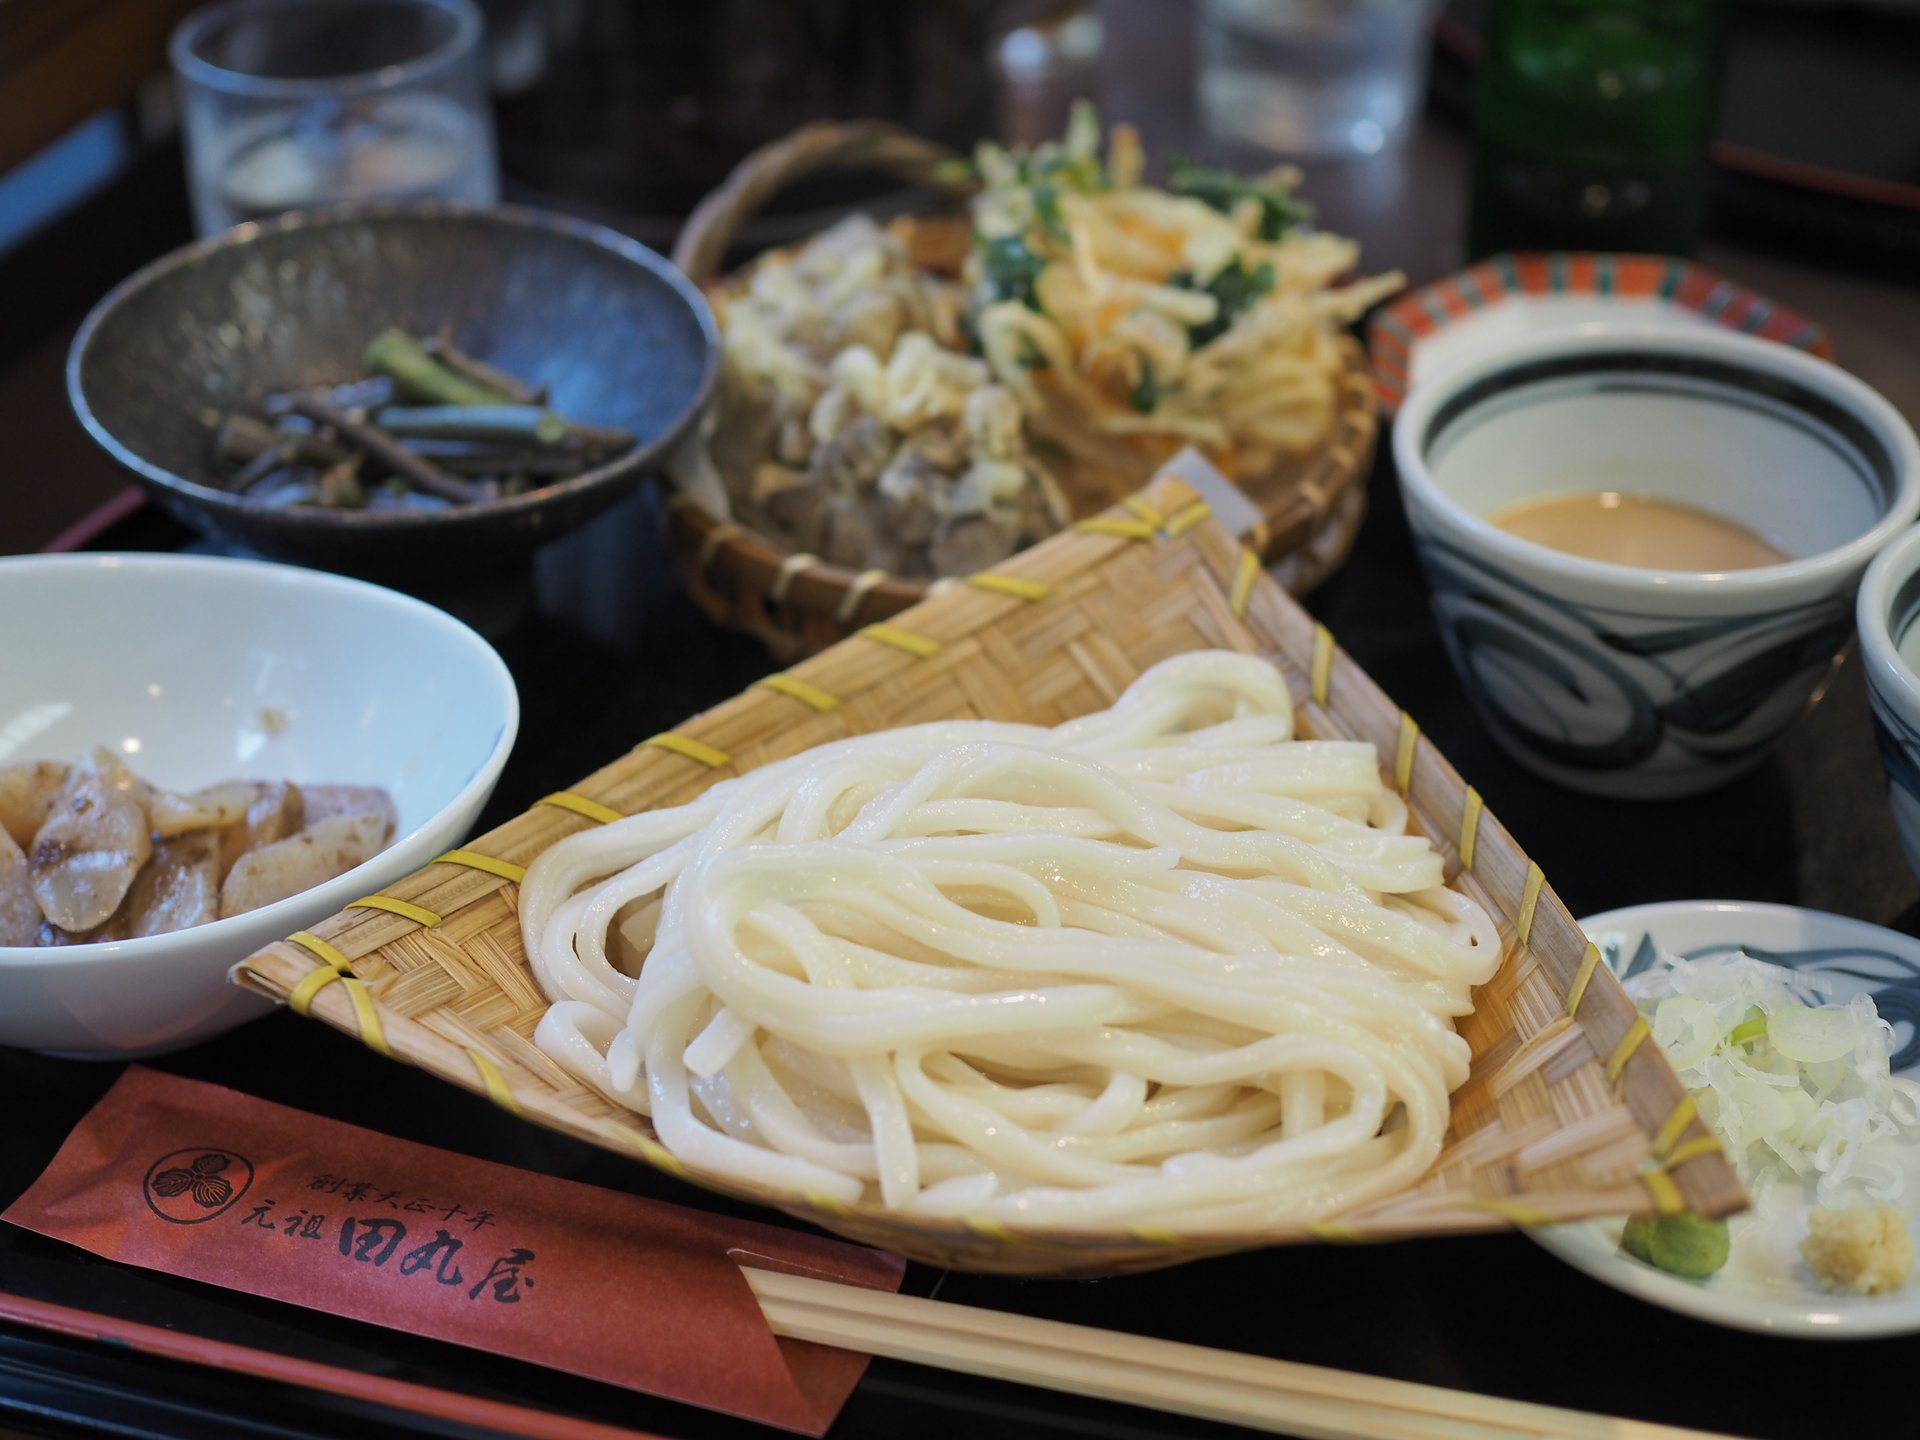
(1650, 683)
(1765, 1285)
(1889, 619)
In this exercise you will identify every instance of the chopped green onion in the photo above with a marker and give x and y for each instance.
(1748, 1030)
(1686, 1030)
(1813, 1037)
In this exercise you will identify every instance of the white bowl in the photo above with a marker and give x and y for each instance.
(198, 670)
(1650, 683)
(1765, 1286)
(1889, 617)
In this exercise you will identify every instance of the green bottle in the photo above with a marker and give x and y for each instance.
(1593, 122)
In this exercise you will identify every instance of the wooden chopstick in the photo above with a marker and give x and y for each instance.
(1277, 1395)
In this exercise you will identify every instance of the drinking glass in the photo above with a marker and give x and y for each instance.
(293, 103)
(1313, 77)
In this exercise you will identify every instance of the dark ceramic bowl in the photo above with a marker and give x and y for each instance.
(616, 333)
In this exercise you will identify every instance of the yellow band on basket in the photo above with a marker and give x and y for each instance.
(990, 1228)
(1245, 571)
(692, 749)
(1114, 525)
(1154, 1235)
(1529, 902)
(1332, 1234)
(1589, 963)
(1508, 1210)
(809, 695)
(371, 1030)
(1692, 1150)
(1321, 670)
(474, 860)
(417, 913)
(651, 1151)
(1671, 1128)
(1015, 585)
(300, 998)
(1145, 509)
(1667, 1198)
(1403, 753)
(1631, 1041)
(308, 940)
(580, 805)
(496, 1083)
(905, 640)
(1187, 519)
(1470, 826)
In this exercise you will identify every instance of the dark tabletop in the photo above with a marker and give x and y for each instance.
(605, 651)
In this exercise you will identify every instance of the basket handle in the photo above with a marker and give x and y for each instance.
(822, 145)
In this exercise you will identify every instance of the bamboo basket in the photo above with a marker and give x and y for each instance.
(1568, 1113)
(1310, 511)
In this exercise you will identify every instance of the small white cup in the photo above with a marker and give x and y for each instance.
(1889, 616)
(1638, 683)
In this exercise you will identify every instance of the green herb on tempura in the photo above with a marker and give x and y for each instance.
(1147, 389)
(1225, 191)
(1234, 286)
(1011, 269)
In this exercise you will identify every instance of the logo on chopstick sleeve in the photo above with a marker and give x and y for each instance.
(191, 1187)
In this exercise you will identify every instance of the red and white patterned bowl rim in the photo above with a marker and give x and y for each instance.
(1396, 328)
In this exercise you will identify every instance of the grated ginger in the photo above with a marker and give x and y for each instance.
(1861, 1251)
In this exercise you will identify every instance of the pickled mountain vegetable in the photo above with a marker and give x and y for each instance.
(430, 427)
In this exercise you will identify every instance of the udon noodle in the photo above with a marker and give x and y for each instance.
(1163, 964)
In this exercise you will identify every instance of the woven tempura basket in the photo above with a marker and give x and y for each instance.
(1568, 1112)
(1309, 511)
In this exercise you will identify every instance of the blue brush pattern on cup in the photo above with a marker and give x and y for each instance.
(1619, 688)
(1888, 614)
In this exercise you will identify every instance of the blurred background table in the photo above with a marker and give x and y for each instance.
(605, 650)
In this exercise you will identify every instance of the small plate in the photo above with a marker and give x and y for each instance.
(1764, 1286)
(1511, 297)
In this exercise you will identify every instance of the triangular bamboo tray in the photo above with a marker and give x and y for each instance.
(1567, 1114)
